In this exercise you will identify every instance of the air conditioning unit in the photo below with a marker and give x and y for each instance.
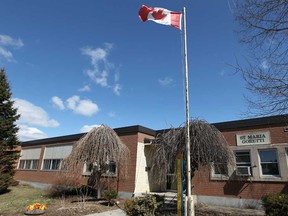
(243, 171)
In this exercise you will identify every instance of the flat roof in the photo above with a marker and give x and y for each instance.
(229, 125)
(74, 137)
(252, 122)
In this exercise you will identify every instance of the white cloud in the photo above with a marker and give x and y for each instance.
(102, 69)
(117, 89)
(6, 54)
(80, 106)
(96, 55)
(85, 88)
(87, 128)
(83, 107)
(7, 41)
(165, 81)
(26, 133)
(99, 78)
(57, 102)
(33, 115)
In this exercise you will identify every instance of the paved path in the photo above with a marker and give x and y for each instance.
(117, 212)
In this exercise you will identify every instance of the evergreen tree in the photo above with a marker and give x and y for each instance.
(8, 130)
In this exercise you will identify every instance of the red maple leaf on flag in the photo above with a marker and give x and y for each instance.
(158, 15)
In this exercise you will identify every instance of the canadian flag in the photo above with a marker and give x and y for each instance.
(161, 16)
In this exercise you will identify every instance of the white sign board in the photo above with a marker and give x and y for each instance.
(254, 138)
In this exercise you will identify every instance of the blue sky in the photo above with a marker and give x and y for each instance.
(76, 64)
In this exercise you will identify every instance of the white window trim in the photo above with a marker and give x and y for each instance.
(244, 164)
(31, 165)
(260, 166)
(29, 154)
(86, 172)
(50, 165)
(65, 150)
(214, 176)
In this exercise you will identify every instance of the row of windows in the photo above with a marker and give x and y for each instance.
(55, 164)
(48, 164)
(267, 160)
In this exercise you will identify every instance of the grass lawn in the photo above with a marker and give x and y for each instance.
(14, 203)
(21, 196)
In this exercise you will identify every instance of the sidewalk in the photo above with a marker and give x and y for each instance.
(117, 212)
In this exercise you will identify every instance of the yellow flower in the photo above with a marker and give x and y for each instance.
(36, 206)
(43, 207)
(30, 208)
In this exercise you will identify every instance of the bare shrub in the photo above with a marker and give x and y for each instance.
(65, 185)
(98, 146)
(207, 144)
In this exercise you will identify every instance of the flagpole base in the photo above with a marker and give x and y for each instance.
(189, 206)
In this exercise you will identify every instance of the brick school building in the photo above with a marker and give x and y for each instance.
(260, 146)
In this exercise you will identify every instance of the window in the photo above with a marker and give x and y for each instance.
(29, 159)
(243, 159)
(220, 169)
(89, 167)
(269, 162)
(54, 155)
(110, 167)
(28, 164)
(52, 164)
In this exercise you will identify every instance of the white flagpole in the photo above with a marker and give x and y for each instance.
(189, 204)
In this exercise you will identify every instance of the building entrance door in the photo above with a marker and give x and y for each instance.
(171, 180)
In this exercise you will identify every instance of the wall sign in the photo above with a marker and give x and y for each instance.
(254, 138)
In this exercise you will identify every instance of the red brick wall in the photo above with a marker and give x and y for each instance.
(127, 183)
(123, 183)
(241, 189)
(203, 185)
(49, 177)
(277, 134)
(202, 181)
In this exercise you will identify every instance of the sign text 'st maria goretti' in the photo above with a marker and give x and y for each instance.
(253, 138)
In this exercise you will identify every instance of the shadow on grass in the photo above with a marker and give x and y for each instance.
(101, 201)
(5, 191)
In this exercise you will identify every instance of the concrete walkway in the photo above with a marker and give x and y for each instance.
(117, 212)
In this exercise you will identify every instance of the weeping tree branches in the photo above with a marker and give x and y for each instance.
(264, 29)
(97, 147)
(208, 146)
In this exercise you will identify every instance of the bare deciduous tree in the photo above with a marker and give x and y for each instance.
(99, 146)
(207, 144)
(264, 28)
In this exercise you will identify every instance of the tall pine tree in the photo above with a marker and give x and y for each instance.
(8, 131)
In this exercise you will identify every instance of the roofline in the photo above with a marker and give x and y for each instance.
(133, 129)
(244, 123)
(229, 125)
(74, 137)
(66, 138)
(254, 122)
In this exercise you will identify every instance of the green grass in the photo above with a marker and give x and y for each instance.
(19, 197)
